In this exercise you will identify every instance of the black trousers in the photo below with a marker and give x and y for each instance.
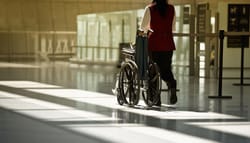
(164, 62)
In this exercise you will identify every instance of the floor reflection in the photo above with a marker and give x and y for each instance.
(79, 98)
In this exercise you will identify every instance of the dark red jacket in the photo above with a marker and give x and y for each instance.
(161, 39)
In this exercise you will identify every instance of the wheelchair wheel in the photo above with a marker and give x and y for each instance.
(120, 99)
(152, 95)
(129, 87)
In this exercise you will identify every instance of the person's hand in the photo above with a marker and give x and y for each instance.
(141, 33)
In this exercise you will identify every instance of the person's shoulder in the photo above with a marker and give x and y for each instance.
(150, 5)
(170, 5)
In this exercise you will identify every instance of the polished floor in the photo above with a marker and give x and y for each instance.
(59, 102)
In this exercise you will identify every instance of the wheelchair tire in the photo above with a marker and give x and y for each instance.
(152, 95)
(120, 99)
(129, 87)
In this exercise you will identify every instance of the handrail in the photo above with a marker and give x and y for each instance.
(236, 33)
(175, 34)
(38, 32)
(196, 34)
(79, 46)
(213, 34)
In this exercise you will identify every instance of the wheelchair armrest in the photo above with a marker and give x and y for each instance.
(127, 51)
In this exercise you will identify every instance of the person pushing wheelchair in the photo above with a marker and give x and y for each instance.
(159, 22)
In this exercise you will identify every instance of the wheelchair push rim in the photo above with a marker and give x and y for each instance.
(129, 85)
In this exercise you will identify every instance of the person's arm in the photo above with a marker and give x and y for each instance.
(174, 22)
(145, 24)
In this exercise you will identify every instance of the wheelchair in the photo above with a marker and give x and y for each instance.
(131, 85)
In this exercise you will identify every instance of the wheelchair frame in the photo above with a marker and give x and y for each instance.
(130, 86)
